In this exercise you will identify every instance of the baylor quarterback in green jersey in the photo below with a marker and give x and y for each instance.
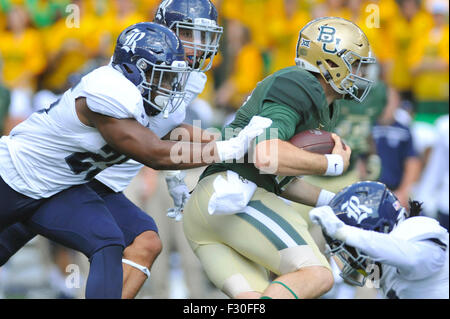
(237, 220)
(295, 101)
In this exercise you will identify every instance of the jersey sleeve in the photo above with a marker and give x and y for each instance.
(414, 258)
(284, 121)
(109, 93)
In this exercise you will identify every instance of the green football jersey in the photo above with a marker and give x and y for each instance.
(356, 120)
(295, 101)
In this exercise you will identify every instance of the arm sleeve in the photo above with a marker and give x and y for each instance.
(284, 121)
(414, 260)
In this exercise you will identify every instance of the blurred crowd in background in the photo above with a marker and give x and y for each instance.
(45, 49)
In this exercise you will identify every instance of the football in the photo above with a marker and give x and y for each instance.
(315, 141)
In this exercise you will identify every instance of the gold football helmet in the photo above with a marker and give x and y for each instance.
(339, 50)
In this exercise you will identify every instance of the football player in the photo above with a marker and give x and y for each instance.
(109, 117)
(375, 238)
(195, 23)
(235, 217)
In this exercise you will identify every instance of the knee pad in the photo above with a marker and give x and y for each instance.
(235, 285)
(144, 269)
(294, 258)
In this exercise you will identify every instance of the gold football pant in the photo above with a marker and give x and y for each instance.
(239, 251)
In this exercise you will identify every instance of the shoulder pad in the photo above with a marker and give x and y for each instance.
(112, 94)
(297, 89)
(420, 228)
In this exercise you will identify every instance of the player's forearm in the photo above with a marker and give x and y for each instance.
(189, 133)
(169, 155)
(139, 143)
(386, 249)
(302, 192)
(282, 158)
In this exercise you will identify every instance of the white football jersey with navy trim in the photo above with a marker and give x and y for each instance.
(118, 177)
(52, 150)
(430, 280)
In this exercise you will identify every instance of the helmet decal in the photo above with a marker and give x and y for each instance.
(327, 35)
(130, 43)
(354, 209)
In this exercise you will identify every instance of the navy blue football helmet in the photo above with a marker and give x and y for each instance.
(195, 22)
(151, 56)
(367, 205)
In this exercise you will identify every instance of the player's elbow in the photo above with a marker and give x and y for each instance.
(423, 264)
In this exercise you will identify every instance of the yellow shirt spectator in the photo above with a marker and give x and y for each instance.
(429, 61)
(120, 14)
(246, 70)
(69, 48)
(404, 33)
(285, 20)
(21, 51)
(250, 13)
(246, 73)
(375, 18)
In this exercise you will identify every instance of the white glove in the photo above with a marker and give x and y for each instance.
(236, 147)
(179, 193)
(231, 194)
(330, 223)
(194, 86)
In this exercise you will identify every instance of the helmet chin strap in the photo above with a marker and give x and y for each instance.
(162, 102)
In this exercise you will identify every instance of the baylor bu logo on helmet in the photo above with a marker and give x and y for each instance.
(327, 35)
(338, 50)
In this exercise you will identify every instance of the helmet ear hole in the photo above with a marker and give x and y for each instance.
(127, 68)
(331, 63)
(133, 73)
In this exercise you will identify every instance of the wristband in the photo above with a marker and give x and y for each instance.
(324, 198)
(335, 165)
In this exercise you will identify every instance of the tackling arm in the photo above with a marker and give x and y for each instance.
(130, 138)
(413, 259)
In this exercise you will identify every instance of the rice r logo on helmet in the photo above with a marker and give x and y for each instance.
(131, 39)
(355, 210)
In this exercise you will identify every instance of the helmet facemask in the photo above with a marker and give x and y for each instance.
(355, 83)
(354, 268)
(201, 36)
(163, 87)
